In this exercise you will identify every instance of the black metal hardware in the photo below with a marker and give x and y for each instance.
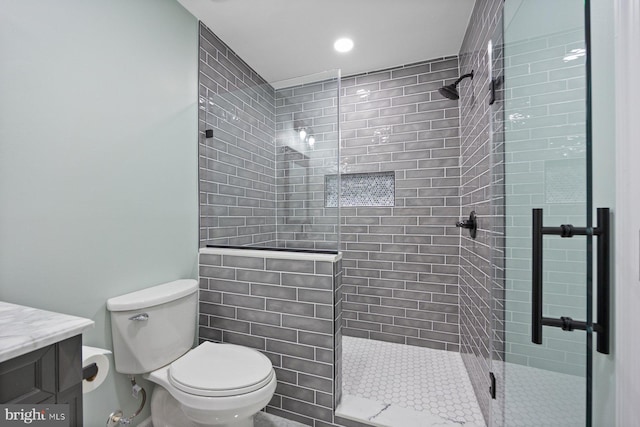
(208, 133)
(89, 372)
(270, 248)
(492, 387)
(471, 224)
(603, 288)
(566, 323)
(492, 89)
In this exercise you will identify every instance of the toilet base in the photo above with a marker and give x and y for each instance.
(167, 412)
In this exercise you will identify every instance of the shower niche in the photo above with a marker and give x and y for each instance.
(360, 189)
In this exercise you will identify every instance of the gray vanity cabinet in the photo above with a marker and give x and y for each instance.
(52, 374)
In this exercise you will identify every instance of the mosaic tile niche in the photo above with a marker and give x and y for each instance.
(361, 189)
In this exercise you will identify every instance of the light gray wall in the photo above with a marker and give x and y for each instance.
(627, 286)
(98, 159)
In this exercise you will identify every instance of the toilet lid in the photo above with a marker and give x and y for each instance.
(217, 370)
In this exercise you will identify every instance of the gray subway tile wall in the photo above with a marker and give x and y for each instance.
(400, 279)
(237, 165)
(476, 278)
(304, 220)
(259, 186)
(295, 324)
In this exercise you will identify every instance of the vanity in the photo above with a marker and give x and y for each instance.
(41, 358)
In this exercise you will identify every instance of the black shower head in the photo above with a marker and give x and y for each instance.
(451, 91)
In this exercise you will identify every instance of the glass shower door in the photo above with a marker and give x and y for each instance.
(542, 162)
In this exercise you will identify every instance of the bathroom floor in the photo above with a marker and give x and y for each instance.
(539, 398)
(263, 419)
(389, 384)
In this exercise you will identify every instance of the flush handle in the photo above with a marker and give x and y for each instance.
(140, 317)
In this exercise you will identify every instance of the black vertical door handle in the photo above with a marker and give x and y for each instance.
(536, 278)
(602, 232)
(603, 289)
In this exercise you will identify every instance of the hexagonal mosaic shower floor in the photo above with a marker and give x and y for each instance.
(399, 385)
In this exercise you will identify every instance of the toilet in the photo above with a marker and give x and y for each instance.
(212, 384)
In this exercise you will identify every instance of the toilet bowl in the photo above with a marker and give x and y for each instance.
(213, 384)
(209, 385)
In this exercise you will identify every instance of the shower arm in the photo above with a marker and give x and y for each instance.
(463, 77)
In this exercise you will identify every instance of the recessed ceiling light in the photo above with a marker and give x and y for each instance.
(343, 45)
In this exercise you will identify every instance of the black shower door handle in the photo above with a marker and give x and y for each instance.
(602, 232)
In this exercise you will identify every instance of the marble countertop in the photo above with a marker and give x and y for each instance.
(24, 329)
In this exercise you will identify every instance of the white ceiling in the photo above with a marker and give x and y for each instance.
(283, 39)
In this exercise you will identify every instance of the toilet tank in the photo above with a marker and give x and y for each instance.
(154, 326)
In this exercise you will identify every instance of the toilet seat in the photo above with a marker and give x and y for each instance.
(219, 370)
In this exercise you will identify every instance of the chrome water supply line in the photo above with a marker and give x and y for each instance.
(117, 417)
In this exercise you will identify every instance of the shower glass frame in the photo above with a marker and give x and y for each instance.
(265, 150)
(541, 158)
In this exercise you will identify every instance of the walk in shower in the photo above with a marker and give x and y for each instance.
(522, 145)
(328, 212)
(400, 281)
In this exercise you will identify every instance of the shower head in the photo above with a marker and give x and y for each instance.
(451, 91)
